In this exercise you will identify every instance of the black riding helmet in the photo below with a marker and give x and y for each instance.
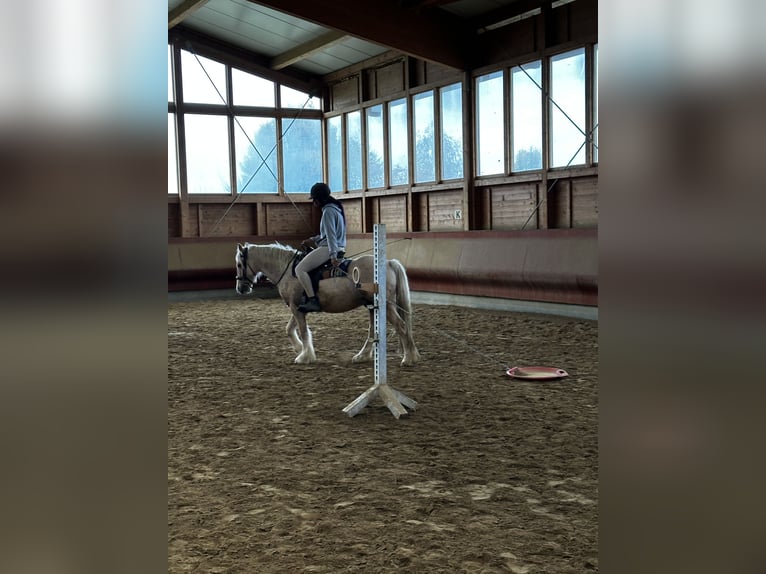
(320, 192)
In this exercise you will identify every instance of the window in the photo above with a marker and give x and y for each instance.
(255, 141)
(354, 150)
(335, 153)
(172, 157)
(526, 117)
(451, 100)
(375, 162)
(398, 145)
(171, 97)
(595, 103)
(290, 98)
(567, 108)
(302, 154)
(425, 139)
(268, 114)
(204, 81)
(207, 154)
(250, 90)
(490, 124)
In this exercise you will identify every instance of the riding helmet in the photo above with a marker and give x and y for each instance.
(320, 192)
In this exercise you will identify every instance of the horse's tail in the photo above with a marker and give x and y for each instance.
(403, 295)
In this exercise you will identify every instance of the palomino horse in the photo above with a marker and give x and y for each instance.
(336, 295)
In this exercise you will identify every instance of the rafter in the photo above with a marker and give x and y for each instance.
(497, 17)
(306, 49)
(184, 9)
(438, 36)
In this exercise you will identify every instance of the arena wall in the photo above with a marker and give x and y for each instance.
(556, 265)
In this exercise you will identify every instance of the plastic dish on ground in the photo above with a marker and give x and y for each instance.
(537, 373)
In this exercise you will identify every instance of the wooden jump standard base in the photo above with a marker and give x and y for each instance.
(392, 398)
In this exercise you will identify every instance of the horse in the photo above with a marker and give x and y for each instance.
(336, 295)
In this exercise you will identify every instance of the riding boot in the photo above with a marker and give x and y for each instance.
(311, 305)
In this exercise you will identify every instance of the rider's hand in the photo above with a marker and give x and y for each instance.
(335, 262)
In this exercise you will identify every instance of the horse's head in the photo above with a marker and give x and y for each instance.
(246, 277)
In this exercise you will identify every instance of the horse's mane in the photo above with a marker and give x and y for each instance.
(276, 251)
(275, 245)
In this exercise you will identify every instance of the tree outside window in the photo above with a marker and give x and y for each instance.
(375, 165)
(527, 117)
(451, 101)
(423, 127)
(354, 150)
(398, 142)
(335, 153)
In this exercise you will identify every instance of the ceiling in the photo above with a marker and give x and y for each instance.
(319, 37)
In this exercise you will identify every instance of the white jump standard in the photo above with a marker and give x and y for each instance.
(392, 398)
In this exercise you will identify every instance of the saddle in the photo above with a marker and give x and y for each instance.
(325, 271)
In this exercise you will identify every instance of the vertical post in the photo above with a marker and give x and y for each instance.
(380, 271)
(393, 399)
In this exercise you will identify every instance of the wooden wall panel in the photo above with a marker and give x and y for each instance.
(441, 210)
(345, 93)
(560, 206)
(174, 220)
(559, 30)
(585, 202)
(437, 73)
(393, 212)
(353, 210)
(288, 219)
(480, 208)
(420, 209)
(216, 221)
(368, 85)
(417, 72)
(511, 207)
(373, 213)
(390, 79)
(518, 39)
(583, 16)
(191, 222)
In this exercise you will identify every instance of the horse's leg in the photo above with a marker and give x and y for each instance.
(366, 354)
(395, 319)
(399, 312)
(307, 355)
(292, 333)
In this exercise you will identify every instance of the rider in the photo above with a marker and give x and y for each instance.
(331, 242)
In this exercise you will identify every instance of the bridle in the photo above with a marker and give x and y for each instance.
(250, 283)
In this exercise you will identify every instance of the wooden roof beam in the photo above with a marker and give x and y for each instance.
(306, 49)
(184, 9)
(437, 36)
(496, 18)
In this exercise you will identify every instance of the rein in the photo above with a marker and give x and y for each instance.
(289, 263)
